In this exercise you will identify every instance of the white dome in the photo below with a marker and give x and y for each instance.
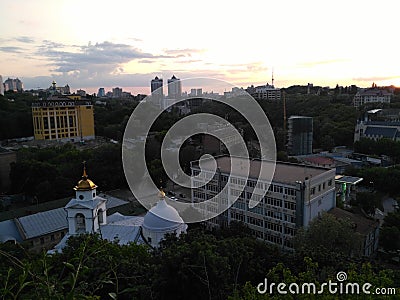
(162, 217)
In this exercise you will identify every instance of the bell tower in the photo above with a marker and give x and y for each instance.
(87, 211)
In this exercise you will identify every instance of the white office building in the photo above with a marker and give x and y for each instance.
(296, 195)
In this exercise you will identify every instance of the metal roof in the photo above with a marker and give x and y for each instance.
(9, 232)
(124, 229)
(381, 131)
(348, 179)
(45, 222)
(42, 223)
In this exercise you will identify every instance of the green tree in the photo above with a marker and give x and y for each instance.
(328, 240)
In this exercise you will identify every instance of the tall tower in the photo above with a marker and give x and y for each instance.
(87, 211)
(156, 85)
(174, 88)
(300, 135)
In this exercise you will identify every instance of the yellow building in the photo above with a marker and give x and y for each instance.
(65, 118)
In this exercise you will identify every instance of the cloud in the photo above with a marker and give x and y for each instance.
(187, 52)
(25, 39)
(11, 49)
(93, 59)
(375, 78)
(320, 62)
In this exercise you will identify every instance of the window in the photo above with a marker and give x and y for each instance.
(80, 222)
(330, 182)
(41, 241)
(52, 237)
(100, 214)
(149, 239)
(313, 191)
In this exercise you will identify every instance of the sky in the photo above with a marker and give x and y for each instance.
(90, 43)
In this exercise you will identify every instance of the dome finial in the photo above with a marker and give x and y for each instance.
(161, 194)
(84, 175)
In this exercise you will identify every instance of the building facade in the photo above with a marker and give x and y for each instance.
(300, 135)
(157, 85)
(15, 85)
(376, 130)
(265, 92)
(174, 88)
(296, 195)
(371, 95)
(101, 92)
(65, 118)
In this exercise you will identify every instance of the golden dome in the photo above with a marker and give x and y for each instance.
(85, 184)
(161, 194)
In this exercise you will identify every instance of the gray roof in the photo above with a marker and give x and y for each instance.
(284, 172)
(112, 201)
(120, 228)
(45, 222)
(125, 229)
(9, 232)
(349, 179)
(381, 131)
(42, 223)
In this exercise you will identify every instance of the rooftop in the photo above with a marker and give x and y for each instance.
(319, 160)
(42, 223)
(362, 224)
(284, 172)
(348, 179)
(381, 131)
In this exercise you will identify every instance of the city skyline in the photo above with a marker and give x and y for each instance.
(96, 44)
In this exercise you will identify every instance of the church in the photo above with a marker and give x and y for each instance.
(86, 213)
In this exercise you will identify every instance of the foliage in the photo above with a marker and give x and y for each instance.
(328, 240)
(368, 201)
(385, 180)
(380, 147)
(197, 265)
(110, 121)
(50, 173)
(16, 115)
(390, 232)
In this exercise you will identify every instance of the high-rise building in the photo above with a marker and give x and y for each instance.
(157, 85)
(65, 118)
(300, 135)
(117, 92)
(174, 88)
(15, 85)
(296, 195)
(1, 86)
(101, 92)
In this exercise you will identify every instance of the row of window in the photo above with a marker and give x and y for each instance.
(321, 187)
